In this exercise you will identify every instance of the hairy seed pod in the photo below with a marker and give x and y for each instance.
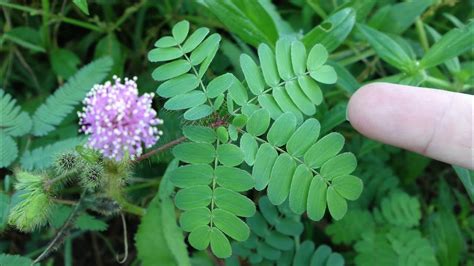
(103, 205)
(92, 176)
(67, 162)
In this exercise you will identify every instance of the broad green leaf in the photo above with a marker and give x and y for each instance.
(258, 122)
(282, 129)
(280, 180)
(194, 152)
(454, 43)
(8, 150)
(279, 241)
(303, 254)
(288, 225)
(249, 147)
(222, 134)
(333, 31)
(198, 112)
(64, 62)
(348, 186)
(195, 39)
(220, 245)
(299, 98)
(206, 48)
(283, 58)
(286, 104)
(207, 61)
(303, 137)
(234, 178)
(200, 237)
(311, 89)
(180, 31)
(230, 224)
(229, 154)
(193, 197)
(165, 42)
(82, 5)
(268, 210)
(316, 204)
(234, 202)
(26, 37)
(318, 55)
(268, 252)
(269, 104)
(185, 101)
(258, 225)
(240, 120)
(342, 164)
(219, 85)
(164, 54)
(179, 85)
(324, 74)
(192, 175)
(268, 65)
(252, 74)
(299, 189)
(264, 161)
(337, 205)
(321, 256)
(326, 148)
(238, 92)
(171, 70)
(298, 57)
(387, 48)
(195, 218)
(199, 134)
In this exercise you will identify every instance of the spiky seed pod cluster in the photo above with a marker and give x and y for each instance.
(92, 176)
(34, 206)
(103, 205)
(67, 162)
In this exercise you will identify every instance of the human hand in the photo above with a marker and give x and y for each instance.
(436, 123)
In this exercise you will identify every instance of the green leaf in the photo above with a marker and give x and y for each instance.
(164, 54)
(193, 197)
(64, 62)
(311, 89)
(234, 202)
(264, 161)
(299, 189)
(205, 49)
(185, 101)
(454, 43)
(222, 134)
(194, 152)
(316, 204)
(282, 129)
(240, 120)
(268, 103)
(303, 254)
(342, 164)
(283, 58)
(178, 85)
(8, 150)
(268, 65)
(4, 210)
(387, 48)
(198, 112)
(15, 260)
(165, 42)
(199, 134)
(280, 181)
(467, 179)
(200, 237)
(234, 178)
(64, 100)
(13, 121)
(298, 97)
(258, 122)
(252, 74)
(333, 31)
(337, 205)
(317, 57)
(231, 225)
(171, 70)
(192, 219)
(298, 57)
(220, 245)
(303, 137)
(348, 186)
(249, 147)
(400, 209)
(195, 39)
(26, 37)
(180, 31)
(192, 175)
(326, 148)
(286, 104)
(238, 92)
(229, 155)
(324, 74)
(82, 5)
(220, 84)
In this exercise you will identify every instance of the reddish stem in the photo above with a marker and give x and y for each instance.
(160, 149)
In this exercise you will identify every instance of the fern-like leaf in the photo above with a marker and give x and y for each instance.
(351, 227)
(8, 150)
(399, 209)
(67, 97)
(13, 121)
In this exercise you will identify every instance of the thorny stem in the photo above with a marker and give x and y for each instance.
(60, 235)
(160, 149)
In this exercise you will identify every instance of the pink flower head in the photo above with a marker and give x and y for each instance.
(118, 120)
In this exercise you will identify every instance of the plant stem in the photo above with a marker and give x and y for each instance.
(129, 207)
(439, 82)
(160, 149)
(357, 57)
(422, 34)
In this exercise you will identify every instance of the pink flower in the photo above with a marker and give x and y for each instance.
(118, 120)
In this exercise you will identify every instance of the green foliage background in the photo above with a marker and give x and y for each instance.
(412, 211)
